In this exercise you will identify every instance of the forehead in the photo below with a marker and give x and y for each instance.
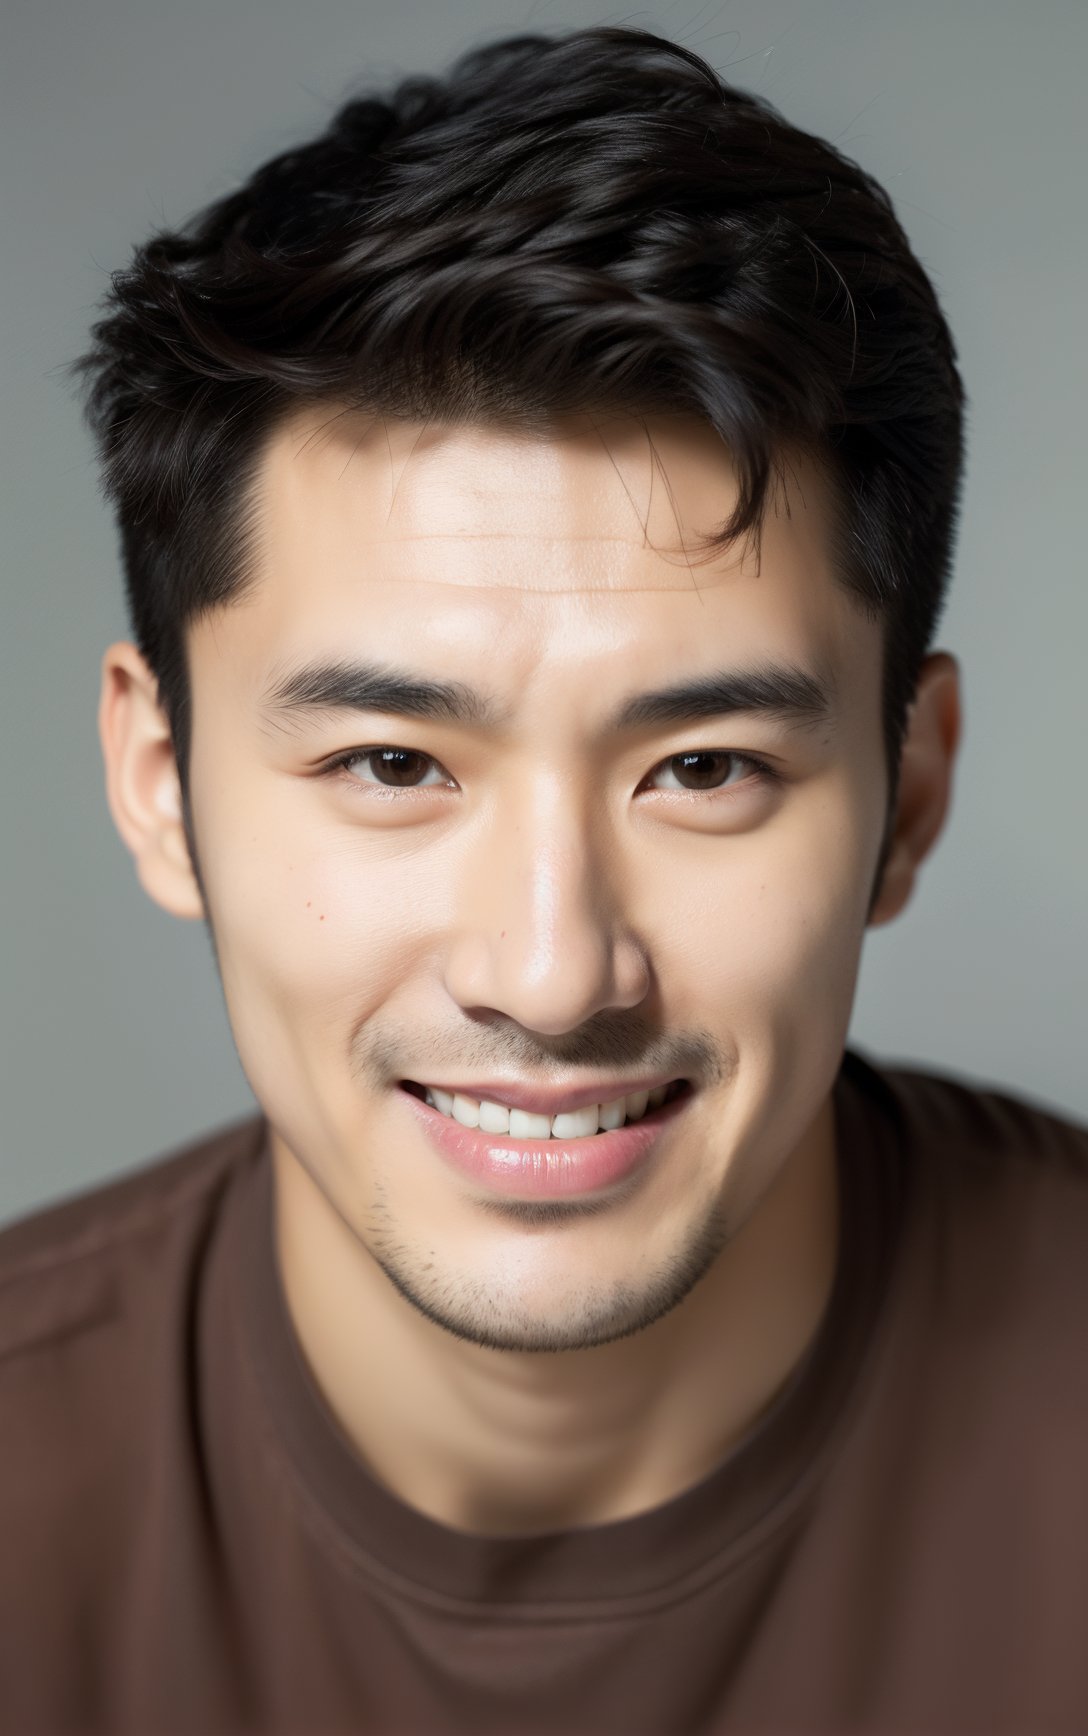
(547, 564)
(592, 505)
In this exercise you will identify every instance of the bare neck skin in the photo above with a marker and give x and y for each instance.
(541, 895)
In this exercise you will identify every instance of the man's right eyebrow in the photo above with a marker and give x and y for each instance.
(333, 686)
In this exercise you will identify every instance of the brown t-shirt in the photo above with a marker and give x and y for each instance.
(189, 1544)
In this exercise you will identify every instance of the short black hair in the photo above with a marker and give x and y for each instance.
(593, 221)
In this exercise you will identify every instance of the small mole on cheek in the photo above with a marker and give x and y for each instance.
(321, 919)
(502, 936)
(309, 901)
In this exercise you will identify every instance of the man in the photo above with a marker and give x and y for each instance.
(537, 497)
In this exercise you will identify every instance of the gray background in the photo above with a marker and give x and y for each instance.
(122, 115)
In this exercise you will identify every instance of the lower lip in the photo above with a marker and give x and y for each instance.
(547, 1168)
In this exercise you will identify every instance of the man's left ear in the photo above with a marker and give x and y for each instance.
(934, 726)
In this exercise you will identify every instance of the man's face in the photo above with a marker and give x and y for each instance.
(536, 894)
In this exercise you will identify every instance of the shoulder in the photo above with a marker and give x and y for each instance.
(998, 1190)
(979, 1127)
(1002, 1174)
(94, 1288)
(998, 1184)
(100, 1294)
(54, 1259)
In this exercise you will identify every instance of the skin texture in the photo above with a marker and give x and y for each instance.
(549, 902)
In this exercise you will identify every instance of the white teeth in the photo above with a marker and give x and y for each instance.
(494, 1117)
(523, 1124)
(613, 1114)
(576, 1123)
(466, 1110)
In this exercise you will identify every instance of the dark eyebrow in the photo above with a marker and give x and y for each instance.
(783, 691)
(379, 687)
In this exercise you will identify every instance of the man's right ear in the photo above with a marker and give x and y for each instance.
(142, 785)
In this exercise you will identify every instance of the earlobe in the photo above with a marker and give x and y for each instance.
(142, 785)
(925, 783)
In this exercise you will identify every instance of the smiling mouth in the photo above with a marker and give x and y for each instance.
(522, 1124)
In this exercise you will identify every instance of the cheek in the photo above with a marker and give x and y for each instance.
(775, 973)
(774, 936)
(311, 935)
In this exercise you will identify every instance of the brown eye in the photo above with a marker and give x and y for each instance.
(710, 770)
(395, 768)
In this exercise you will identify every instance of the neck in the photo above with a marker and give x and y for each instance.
(513, 1443)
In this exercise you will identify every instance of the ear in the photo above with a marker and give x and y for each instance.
(934, 725)
(142, 785)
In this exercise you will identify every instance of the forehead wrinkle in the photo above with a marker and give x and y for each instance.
(529, 590)
(680, 561)
(549, 541)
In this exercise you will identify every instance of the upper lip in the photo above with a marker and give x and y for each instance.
(557, 1100)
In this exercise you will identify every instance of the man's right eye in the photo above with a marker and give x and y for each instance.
(397, 768)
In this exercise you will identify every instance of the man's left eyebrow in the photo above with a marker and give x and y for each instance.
(784, 692)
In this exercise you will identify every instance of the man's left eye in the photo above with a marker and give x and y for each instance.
(705, 767)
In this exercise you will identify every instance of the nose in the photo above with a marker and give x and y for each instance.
(538, 926)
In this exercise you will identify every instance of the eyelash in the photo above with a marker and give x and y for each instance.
(764, 773)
